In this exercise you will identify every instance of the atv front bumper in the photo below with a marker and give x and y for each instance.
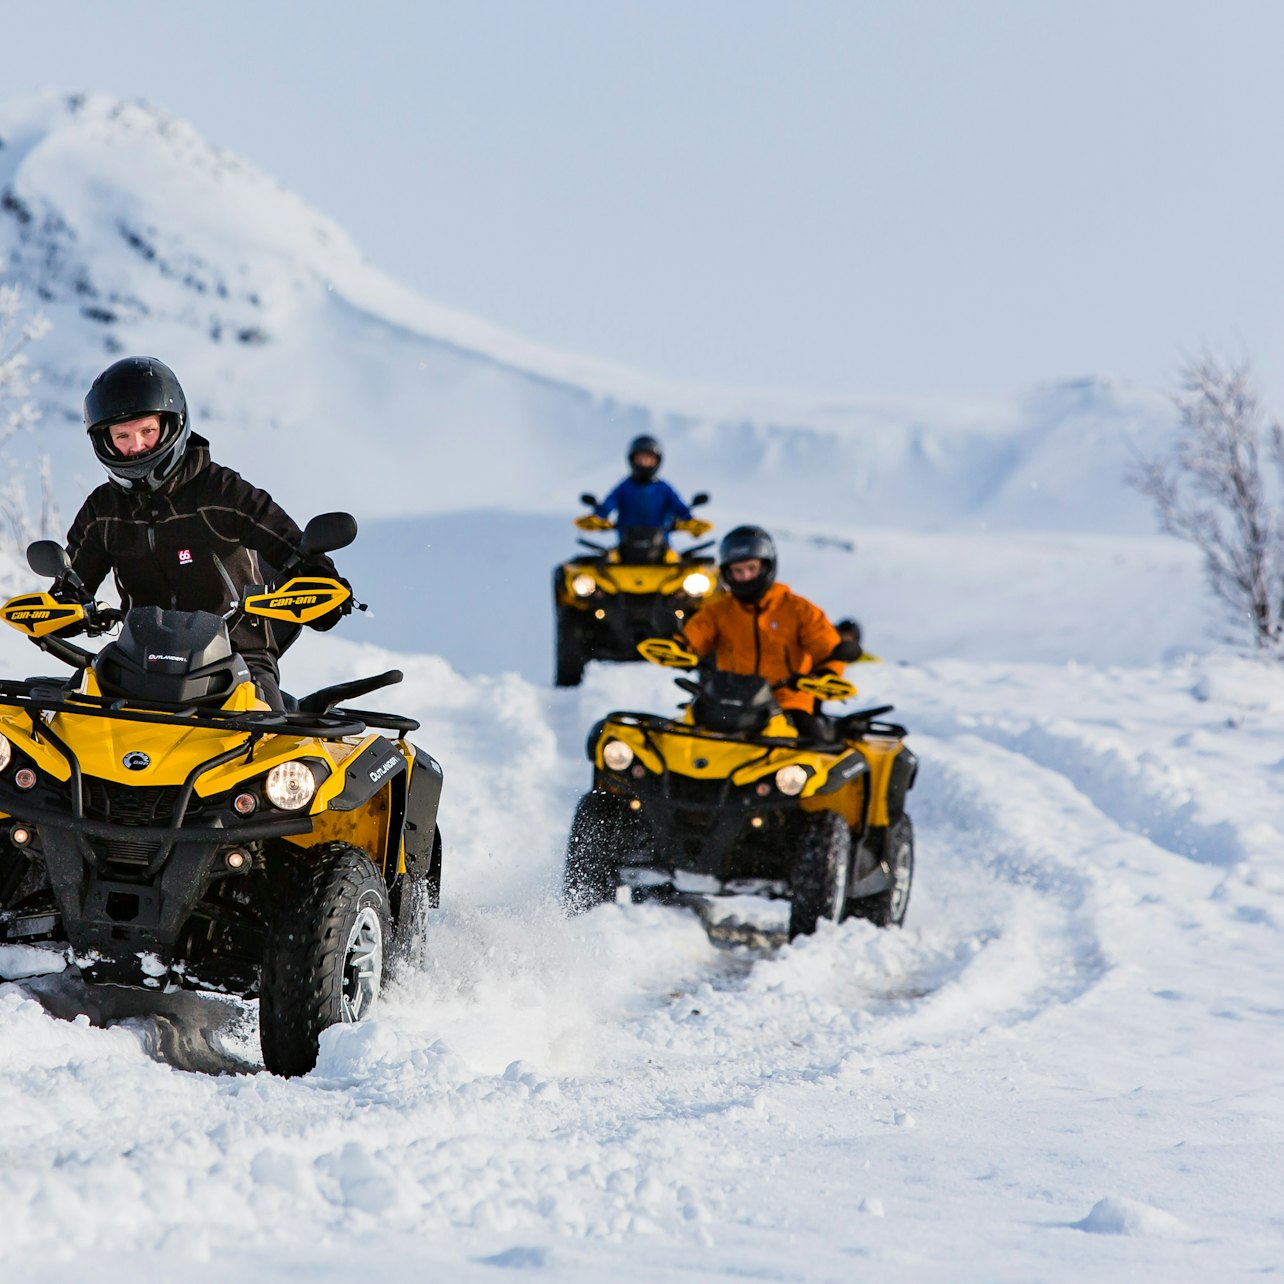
(708, 828)
(123, 889)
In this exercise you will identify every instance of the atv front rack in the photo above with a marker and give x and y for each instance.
(850, 727)
(649, 722)
(331, 725)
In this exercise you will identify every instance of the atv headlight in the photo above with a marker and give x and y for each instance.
(791, 778)
(617, 755)
(583, 586)
(6, 752)
(697, 584)
(290, 785)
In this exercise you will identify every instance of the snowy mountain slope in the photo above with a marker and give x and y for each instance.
(140, 236)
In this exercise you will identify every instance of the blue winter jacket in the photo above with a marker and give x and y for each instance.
(653, 503)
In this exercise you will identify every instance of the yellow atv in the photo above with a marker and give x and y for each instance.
(172, 830)
(730, 799)
(609, 601)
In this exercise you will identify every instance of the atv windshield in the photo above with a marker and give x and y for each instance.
(179, 657)
(733, 702)
(643, 545)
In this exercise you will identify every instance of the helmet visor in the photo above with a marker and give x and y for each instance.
(144, 464)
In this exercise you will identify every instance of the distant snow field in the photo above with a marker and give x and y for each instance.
(1064, 1068)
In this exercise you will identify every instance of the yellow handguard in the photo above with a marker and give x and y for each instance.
(39, 614)
(696, 526)
(828, 686)
(592, 522)
(667, 653)
(298, 601)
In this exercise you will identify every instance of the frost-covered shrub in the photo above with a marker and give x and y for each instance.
(19, 414)
(1212, 490)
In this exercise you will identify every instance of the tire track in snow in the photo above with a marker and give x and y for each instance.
(1008, 850)
(1142, 793)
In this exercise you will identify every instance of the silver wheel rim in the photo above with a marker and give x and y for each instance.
(362, 966)
(839, 901)
(902, 872)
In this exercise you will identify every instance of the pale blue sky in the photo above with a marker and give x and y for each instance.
(841, 198)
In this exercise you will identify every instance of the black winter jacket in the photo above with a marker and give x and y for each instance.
(161, 546)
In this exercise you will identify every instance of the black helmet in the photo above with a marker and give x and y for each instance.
(651, 446)
(740, 545)
(129, 389)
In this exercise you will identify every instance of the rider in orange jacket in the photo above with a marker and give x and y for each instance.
(763, 627)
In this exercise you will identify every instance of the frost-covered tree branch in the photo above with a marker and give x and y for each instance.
(19, 414)
(1211, 490)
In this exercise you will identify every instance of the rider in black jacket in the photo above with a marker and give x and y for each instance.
(169, 517)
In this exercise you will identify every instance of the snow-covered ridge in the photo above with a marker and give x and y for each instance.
(140, 236)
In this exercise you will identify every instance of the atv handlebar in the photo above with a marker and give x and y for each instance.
(47, 558)
(67, 652)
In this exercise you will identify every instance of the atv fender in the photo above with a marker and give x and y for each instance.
(422, 846)
(367, 773)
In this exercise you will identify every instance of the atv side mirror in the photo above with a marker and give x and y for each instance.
(48, 558)
(589, 499)
(698, 499)
(327, 532)
(848, 652)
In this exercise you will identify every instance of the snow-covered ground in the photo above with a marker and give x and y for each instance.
(1064, 1067)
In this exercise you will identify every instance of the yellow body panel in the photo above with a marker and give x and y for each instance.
(15, 724)
(102, 743)
(879, 752)
(747, 763)
(848, 801)
(365, 827)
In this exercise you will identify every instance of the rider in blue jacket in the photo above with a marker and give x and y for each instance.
(641, 499)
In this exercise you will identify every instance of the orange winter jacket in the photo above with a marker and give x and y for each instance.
(779, 635)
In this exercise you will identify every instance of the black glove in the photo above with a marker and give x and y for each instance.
(99, 617)
(331, 618)
(61, 590)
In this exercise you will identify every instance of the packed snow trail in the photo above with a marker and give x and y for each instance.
(1077, 1032)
